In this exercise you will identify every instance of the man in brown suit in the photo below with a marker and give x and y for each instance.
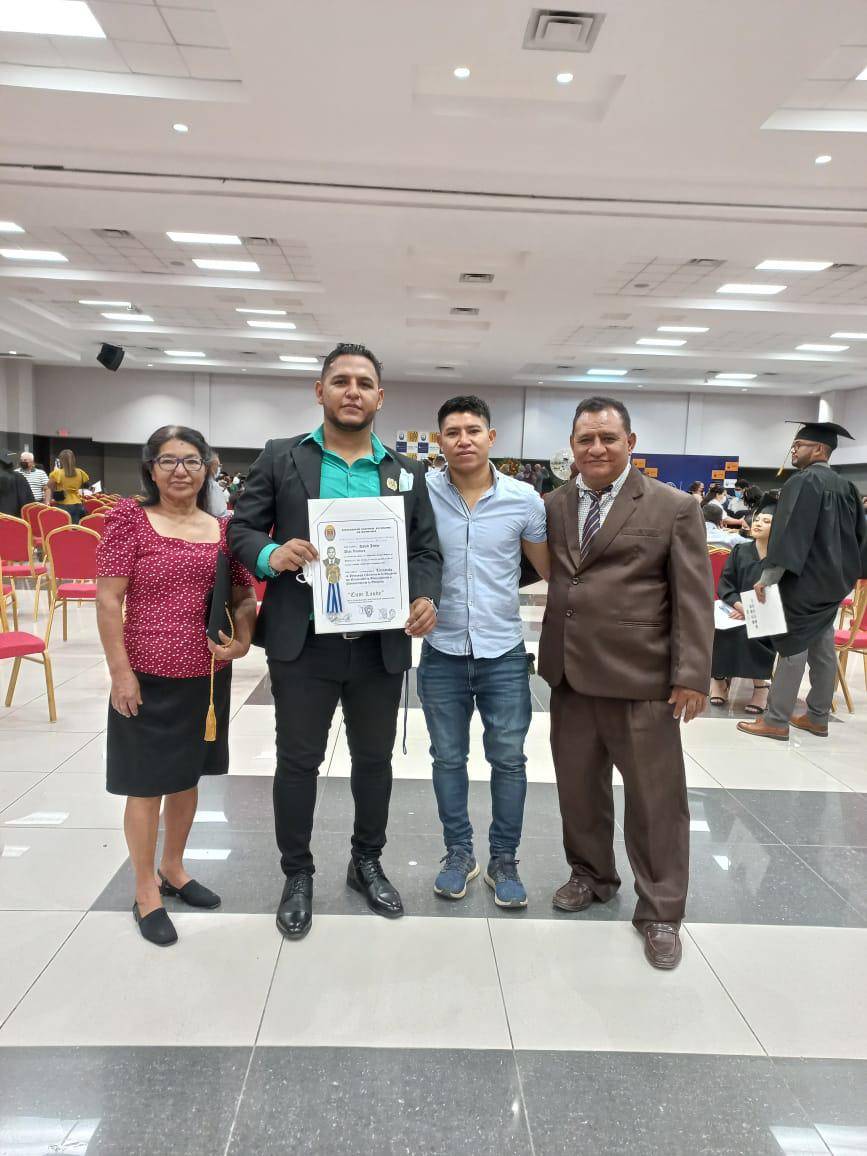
(626, 647)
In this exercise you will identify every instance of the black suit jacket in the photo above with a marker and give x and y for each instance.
(282, 478)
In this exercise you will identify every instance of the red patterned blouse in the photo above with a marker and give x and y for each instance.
(167, 595)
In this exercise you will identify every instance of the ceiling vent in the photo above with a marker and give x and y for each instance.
(843, 267)
(558, 30)
(114, 234)
(260, 242)
(444, 368)
(476, 278)
(704, 263)
(464, 311)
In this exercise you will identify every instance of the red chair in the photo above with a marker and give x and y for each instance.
(95, 522)
(18, 645)
(8, 599)
(71, 552)
(718, 556)
(16, 545)
(853, 640)
(51, 519)
(30, 514)
(91, 505)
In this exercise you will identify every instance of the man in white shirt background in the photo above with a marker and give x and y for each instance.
(35, 476)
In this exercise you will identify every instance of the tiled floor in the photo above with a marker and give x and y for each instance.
(462, 1028)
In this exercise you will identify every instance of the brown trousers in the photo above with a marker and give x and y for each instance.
(588, 736)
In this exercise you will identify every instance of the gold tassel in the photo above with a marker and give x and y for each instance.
(211, 718)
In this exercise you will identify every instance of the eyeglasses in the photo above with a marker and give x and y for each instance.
(169, 463)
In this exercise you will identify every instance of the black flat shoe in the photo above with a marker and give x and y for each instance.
(295, 913)
(368, 877)
(156, 927)
(192, 893)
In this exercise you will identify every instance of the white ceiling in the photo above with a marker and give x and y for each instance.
(365, 179)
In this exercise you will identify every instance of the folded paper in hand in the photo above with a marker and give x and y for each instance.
(722, 617)
(764, 619)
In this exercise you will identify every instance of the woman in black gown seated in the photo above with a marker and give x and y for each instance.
(735, 655)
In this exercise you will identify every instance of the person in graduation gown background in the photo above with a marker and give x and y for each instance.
(816, 553)
(735, 655)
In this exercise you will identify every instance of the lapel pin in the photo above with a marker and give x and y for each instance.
(391, 483)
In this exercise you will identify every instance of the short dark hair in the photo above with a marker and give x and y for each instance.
(695, 487)
(151, 451)
(350, 349)
(713, 513)
(715, 488)
(465, 403)
(597, 404)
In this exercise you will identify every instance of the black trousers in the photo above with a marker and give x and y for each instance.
(331, 670)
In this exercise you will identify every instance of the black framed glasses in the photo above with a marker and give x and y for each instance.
(169, 463)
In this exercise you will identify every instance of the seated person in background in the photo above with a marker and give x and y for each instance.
(716, 535)
(14, 490)
(696, 490)
(734, 654)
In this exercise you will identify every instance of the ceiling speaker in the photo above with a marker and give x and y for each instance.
(110, 356)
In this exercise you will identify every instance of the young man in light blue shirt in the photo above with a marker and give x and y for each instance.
(475, 657)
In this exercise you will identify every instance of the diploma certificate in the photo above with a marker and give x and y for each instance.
(361, 581)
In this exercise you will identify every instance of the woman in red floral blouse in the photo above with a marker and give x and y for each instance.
(158, 555)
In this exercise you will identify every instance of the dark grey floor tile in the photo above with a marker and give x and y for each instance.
(811, 818)
(261, 694)
(235, 802)
(392, 1102)
(843, 868)
(832, 1093)
(623, 1104)
(119, 1101)
(718, 817)
(750, 883)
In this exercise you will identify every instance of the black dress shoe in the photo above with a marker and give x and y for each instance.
(295, 913)
(368, 877)
(193, 894)
(156, 927)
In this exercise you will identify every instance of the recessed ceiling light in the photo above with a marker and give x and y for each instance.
(184, 353)
(796, 266)
(751, 287)
(682, 329)
(270, 312)
(49, 18)
(607, 372)
(461, 73)
(272, 324)
(204, 238)
(735, 376)
(671, 341)
(13, 352)
(10, 227)
(181, 127)
(813, 347)
(862, 75)
(540, 383)
(227, 266)
(32, 255)
(851, 336)
(150, 365)
(300, 360)
(106, 304)
(565, 77)
(127, 317)
(824, 159)
(745, 389)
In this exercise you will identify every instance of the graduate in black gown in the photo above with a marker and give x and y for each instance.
(734, 654)
(817, 552)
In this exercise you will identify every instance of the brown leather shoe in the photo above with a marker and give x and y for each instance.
(803, 723)
(573, 896)
(662, 946)
(764, 730)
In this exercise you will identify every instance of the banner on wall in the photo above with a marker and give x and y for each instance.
(681, 470)
(418, 443)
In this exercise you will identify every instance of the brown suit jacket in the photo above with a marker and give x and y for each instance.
(635, 616)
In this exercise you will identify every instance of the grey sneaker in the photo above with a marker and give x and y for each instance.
(459, 867)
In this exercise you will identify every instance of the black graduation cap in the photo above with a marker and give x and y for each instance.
(823, 432)
(219, 618)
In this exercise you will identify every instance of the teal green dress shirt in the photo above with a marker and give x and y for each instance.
(337, 480)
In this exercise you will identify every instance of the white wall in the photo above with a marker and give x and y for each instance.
(658, 419)
(16, 397)
(850, 411)
(415, 407)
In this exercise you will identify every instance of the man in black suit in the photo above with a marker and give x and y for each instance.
(310, 673)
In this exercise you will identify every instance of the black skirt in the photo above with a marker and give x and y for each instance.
(736, 656)
(162, 750)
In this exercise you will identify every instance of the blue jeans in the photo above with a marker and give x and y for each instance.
(450, 686)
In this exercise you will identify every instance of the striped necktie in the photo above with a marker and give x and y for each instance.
(593, 520)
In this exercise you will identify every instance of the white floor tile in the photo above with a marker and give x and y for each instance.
(254, 721)
(768, 767)
(361, 981)
(87, 760)
(586, 986)
(14, 784)
(711, 733)
(44, 869)
(848, 767)
(70, 719)
(801, 989)
(208, 989)
(69, 800)
(28, 940)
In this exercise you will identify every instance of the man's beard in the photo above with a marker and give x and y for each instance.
(348, 427)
